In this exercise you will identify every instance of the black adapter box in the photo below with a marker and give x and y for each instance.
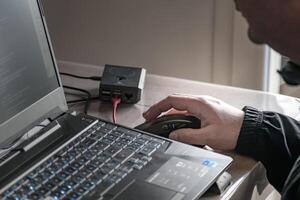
(124, 82)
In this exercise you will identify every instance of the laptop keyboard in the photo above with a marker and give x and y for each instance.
(96, 160)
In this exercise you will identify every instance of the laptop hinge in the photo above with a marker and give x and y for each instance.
(41, 137)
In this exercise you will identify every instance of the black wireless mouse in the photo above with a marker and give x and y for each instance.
(164, 125)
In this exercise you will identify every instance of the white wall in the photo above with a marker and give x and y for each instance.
(196, 39)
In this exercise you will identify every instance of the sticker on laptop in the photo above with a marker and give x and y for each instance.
(209, 163)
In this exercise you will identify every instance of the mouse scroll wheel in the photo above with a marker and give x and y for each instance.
(172, 126)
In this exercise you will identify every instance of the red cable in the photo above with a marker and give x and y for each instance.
(115, 102)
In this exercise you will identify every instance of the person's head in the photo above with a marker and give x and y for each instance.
(274, 22)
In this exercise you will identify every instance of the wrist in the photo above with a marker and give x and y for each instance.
(248, 133)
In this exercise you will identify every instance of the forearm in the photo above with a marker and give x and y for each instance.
(272, 139)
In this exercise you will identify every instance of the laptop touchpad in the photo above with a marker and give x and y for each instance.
(146, 191)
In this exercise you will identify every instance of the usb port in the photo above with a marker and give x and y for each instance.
(106, 92)
(117, 92)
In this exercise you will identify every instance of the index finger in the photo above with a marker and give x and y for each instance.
(193, 105)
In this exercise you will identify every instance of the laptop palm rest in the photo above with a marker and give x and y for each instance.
(142, 190)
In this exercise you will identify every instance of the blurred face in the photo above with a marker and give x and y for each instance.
(274, 22)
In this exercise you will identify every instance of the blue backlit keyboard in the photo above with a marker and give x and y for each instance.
(98, 159)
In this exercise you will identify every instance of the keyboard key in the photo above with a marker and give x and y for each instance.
(94, 151)
(70, 183)
(141, 141)
(54, 168)
(34, 196)
(94, 179)
(111, 137)
(101, 146)
(55, 181)
(124, 155)
(88, 142)
(91, 167)
(104, 130)
(73, 196)
(82, 160)
(107, 141)
(80, 190)
(20, 192)
(76, 165)
(158, 140)
(146, 137)
(32, 184)
(116, 134)
(46, 174)
(138, 166)
(64, 189)
(62, 175)
(99, 124)
(84, 173)
(88, 185)
(126, 167)
(120, 144)
(56, 194)
(119, 173)
(99, 175)
(49, 185)
(134, 146)
(102, 158)
(113, 163)
(124, 141)
(72, 154)
(97, 163)
(42, 191)
(88, 155)
(96, 136)
(66, 159)
(14, 197)
(128, 137)
(110, 126)
(154, 144)
(39, 179)
(147, 150)
(27, 188)
(103, 188)
(113, 179)
(112, 151)
(70, 170)
(122, 130)
(77, 178)
(132, 134)
(105, 169)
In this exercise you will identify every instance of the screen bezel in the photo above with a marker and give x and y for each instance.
(49, 106)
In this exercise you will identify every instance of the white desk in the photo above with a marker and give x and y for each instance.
(248, 175)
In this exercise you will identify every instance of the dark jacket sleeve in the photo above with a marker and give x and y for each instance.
(273, 139)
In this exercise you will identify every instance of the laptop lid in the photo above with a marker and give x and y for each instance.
(30, 87)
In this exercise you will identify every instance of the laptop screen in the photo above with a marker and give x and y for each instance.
(27, 72)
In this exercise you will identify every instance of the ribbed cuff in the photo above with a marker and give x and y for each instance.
(251, 126)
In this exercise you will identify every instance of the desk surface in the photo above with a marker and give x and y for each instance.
(247, 174)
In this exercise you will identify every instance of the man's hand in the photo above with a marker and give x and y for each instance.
(221, 123)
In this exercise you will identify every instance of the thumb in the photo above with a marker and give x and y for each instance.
(192, 136)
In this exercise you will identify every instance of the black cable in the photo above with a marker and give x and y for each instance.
(17, 139)
(95, 78)
(84, 91)
(82, 100)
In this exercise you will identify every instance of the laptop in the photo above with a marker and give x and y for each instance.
(49, 152)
